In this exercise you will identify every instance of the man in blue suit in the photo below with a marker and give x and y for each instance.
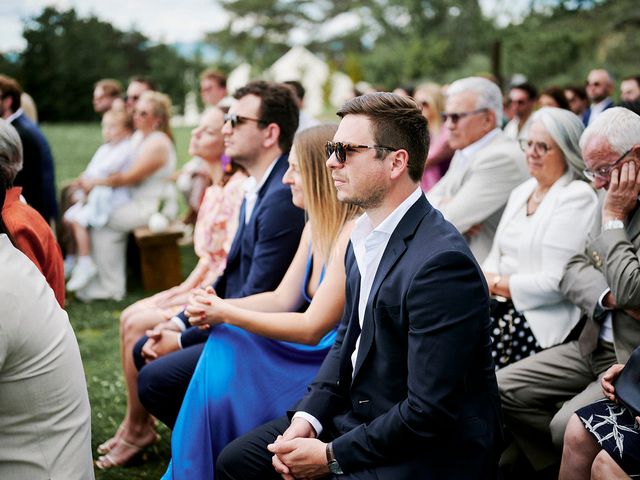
(408, 389)
(37, 177)
(599, 90)
(258, 132)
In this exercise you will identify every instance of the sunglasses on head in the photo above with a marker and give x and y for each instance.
(341, 149)
(236, 120)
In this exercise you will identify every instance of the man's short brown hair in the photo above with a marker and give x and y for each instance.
(277, 105)
(110, 87)
(397, 122)
(10, 88)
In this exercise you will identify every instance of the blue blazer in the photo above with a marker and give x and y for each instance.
(262, 249)
(587, 114)
(423, 400)
(37, 177)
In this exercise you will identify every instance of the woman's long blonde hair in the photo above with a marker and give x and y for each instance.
(326, 214)
(161, 110)
(434, 97)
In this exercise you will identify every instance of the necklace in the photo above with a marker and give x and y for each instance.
(537, 197)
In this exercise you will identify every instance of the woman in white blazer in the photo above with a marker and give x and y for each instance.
(545, 222)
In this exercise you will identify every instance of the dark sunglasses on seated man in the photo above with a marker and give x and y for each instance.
(457, 116)
(341, 149)
(236, 119)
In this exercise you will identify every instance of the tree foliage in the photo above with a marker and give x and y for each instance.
(392, 42)
(66, 55)
(385, 42)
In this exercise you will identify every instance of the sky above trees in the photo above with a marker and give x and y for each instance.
(167, 20)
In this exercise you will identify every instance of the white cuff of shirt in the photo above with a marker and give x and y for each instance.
(601, 299)
(317, 426)
(179, 323)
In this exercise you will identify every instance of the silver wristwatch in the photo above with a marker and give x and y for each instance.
(614, 224)
(334, 467)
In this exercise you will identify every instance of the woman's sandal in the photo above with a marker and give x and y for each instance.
(107, 461)
(108, 445)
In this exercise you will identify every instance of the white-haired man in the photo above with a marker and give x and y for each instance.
(485, 168)
(603, 281)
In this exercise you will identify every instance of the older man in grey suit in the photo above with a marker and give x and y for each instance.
(604, 281)
(485, 168)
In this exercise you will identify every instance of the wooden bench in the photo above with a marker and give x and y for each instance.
(159, 257)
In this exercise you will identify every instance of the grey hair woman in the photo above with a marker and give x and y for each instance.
(546, 220)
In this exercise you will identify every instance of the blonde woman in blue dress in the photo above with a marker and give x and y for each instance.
(259, 359)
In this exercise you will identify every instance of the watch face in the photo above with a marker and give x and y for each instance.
(335, 468)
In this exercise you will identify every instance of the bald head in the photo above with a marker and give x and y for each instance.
(599, 85)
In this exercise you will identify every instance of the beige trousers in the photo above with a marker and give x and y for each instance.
(532, 389)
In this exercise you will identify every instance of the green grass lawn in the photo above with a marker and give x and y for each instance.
(96, 324)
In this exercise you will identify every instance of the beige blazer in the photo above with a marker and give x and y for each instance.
(610, 260)
(477, 192)
(45, 421)
(557, 230)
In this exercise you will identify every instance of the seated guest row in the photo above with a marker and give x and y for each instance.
(557, 189)
(601, 280)
(413, 294)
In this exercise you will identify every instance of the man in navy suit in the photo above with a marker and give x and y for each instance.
(37, 177)
(258, 134)
(599, 90)
(408, 389)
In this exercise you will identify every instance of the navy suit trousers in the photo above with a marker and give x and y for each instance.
(162, 383)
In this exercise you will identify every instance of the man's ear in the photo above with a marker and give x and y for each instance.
(271, 135)
(399, 163)
(491, 117)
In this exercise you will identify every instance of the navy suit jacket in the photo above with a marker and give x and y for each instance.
(423, 401)
(587, 114)
(37, 177)
(262, 249)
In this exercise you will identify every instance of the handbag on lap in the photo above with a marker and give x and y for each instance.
(628, 384)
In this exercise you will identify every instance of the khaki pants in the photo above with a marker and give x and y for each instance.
(531, 389)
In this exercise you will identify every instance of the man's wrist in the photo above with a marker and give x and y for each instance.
(332, 463)
(612, 224)
(178, 323)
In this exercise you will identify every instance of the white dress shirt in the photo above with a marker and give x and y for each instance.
(251, 189)
(598, 108)
(369, 244)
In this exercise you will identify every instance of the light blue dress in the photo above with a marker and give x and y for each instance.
(242, 380)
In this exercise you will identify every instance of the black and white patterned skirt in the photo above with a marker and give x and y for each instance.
(512, 338)
(616, 430)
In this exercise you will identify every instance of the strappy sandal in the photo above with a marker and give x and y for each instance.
(106, 446)
(107, 461)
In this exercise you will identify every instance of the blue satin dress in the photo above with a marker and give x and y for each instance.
(242, 380)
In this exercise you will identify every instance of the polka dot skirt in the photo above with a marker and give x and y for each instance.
(512, 338)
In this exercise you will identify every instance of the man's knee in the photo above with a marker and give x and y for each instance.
(558, 425)
(513, 391)
(228, 462)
